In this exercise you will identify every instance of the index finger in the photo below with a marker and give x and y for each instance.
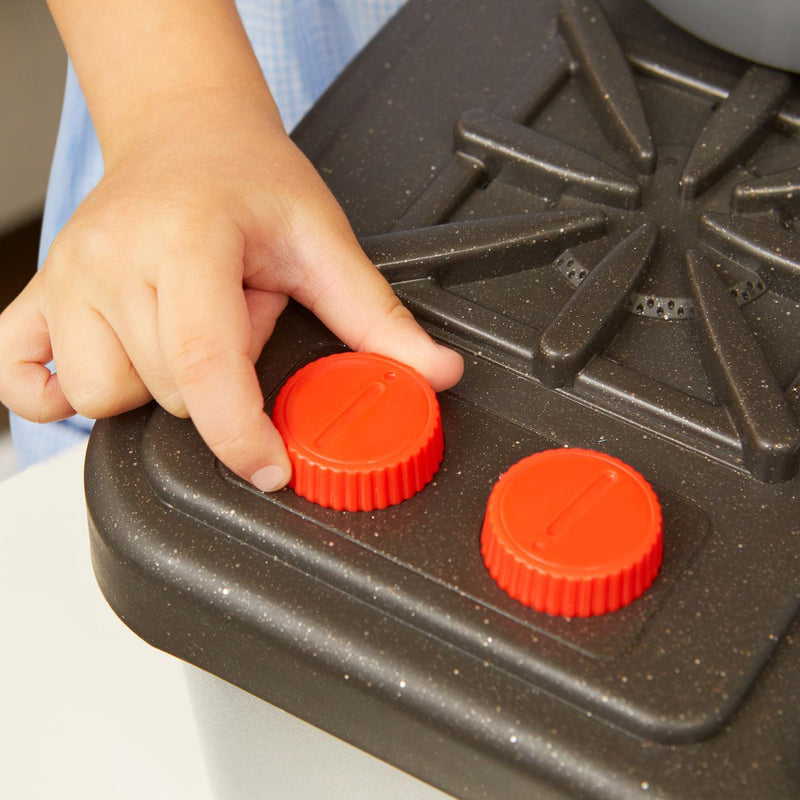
(204, 330)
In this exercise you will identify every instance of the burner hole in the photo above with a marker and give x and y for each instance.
(749, 284)
(582, 274)
(681, 311)
(571, 273)
(570, 262)
(640, 308)
(760, 286)
(660, 311)
(650, 302)
(745, 295)
(560, 260)
(671, 305)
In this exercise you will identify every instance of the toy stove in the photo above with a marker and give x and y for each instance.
(601, 213)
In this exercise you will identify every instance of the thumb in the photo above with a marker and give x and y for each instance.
(345, 290)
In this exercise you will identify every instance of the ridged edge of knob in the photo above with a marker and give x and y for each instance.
(562, 595)
(368, 490)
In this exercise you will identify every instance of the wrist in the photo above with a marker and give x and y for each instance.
(144, 62)
(205, 118)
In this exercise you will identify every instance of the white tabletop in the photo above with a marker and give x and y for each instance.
(88, 709)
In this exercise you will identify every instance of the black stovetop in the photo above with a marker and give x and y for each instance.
(601, 214)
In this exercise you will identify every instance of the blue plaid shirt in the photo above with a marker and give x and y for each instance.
(301, 45)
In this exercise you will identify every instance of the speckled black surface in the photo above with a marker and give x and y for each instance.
(600, 213)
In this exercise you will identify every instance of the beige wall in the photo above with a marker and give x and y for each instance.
(32, 69)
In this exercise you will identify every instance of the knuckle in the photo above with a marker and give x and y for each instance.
(100, 393)
(81, 243)
(230, 442)
(89, 240)
(393, 313)
(194, 358)
(61, 252)
(397, 311)
(93, 399)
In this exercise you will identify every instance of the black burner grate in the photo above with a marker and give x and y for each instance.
(664, 221)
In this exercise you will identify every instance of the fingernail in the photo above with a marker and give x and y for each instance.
(269, 479)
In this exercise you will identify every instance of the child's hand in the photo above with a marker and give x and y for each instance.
(168, 280)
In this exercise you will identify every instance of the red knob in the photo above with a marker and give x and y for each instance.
(572, 532)
(363, 431)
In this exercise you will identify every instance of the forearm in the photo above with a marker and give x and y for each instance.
(136, 58)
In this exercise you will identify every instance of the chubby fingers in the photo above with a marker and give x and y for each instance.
(344, 289)
(26, 385)
(206, 338)
(96, 374)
